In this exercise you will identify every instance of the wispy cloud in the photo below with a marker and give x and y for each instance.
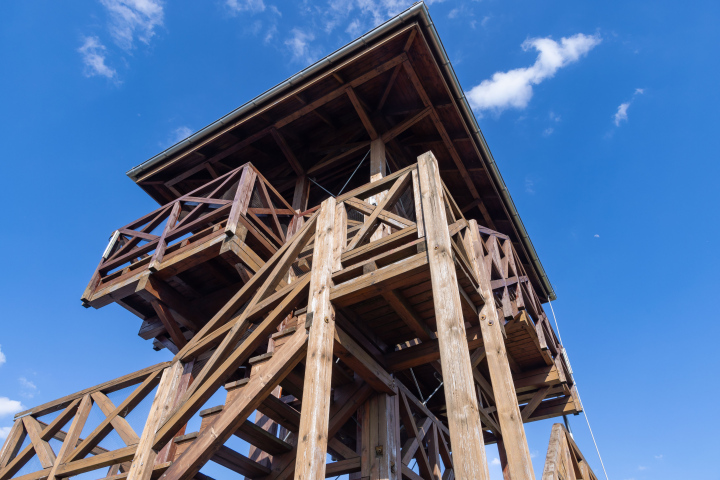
(514, 88)
(4, 432)
(299, 45)
(93, 55)
(495, 461)
(621, 115)
(133, 19)
(254, 6)
(10, 407)
(658, 457)
(3, 359)
(27, 388)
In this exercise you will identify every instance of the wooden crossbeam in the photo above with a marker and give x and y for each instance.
(237, 411)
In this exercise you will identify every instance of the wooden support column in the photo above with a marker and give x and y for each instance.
(466, 434)
(378, 171)
(299, 203)
(380, 456)
(315, 411)
(144, 460)
(508, 411)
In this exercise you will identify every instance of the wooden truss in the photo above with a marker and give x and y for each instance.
(338, 338)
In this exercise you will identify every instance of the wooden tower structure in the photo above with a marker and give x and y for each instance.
(339, 260)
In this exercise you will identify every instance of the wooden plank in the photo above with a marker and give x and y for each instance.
(534, 402)
(362, 363)
(466, 434)
(315, 412)
(150, 287)
(342, 467)
(42, 447)
(73, 434)
(121, 426)
(508, 412)
(241, 200)
(415, 437)
(239, 463)
(380, 434)
(168, 321)
(47, 433)
(200, 395)
(287, 151)
(408, 315)
(105, 427)
(237, 411)
(13, 443)
(361, 113)
(98, 461)
(107, 387)
(387, 203)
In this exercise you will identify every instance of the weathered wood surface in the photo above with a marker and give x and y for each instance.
(313, 433)
(464, 420)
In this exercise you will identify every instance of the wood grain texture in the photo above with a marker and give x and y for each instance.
(466, 434)
(315, 412)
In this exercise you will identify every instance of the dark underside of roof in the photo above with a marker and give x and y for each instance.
(394, 87)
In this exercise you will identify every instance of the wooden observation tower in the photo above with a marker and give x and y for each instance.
(341, 261)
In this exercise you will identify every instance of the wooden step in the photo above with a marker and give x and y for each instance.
(249, 432)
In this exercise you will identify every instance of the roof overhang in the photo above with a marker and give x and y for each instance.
(470, 157)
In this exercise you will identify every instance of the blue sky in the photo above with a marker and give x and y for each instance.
(602, 116)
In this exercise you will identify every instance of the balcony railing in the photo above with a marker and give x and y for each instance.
(239, 202)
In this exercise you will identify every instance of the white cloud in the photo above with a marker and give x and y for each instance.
(299, 45)
(93, 55)
(548, 131)
(597, 236)
(28, 388)
(658, 457)
(621, 114)
(180, 133)
(514, 88)
(133, 18)
(253, 6)
(495, 461)
(554, 117)
(642, 467)
(4, 432)
(9, 407)
(3, 359)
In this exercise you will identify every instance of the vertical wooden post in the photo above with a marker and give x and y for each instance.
(142, 464)
(315, 411)
(380, 457)
(378, 171)
(466, 435)
(168, 451)
(503, 459)
(508, 411)
(241, 200)
(299, 203)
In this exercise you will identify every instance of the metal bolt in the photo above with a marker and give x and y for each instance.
(326, 320)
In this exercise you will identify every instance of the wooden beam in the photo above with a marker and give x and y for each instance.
(236, 411)
(121, 426)
(362, 363)
(361, 113)
(508, 412)
(313, 434)
(466, 434)
(406, 312)
(42, 448)
(380, 435)
(144, 458)
(289, 155)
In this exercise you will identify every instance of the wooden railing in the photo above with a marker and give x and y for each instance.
(564, 459)
(237, 199)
